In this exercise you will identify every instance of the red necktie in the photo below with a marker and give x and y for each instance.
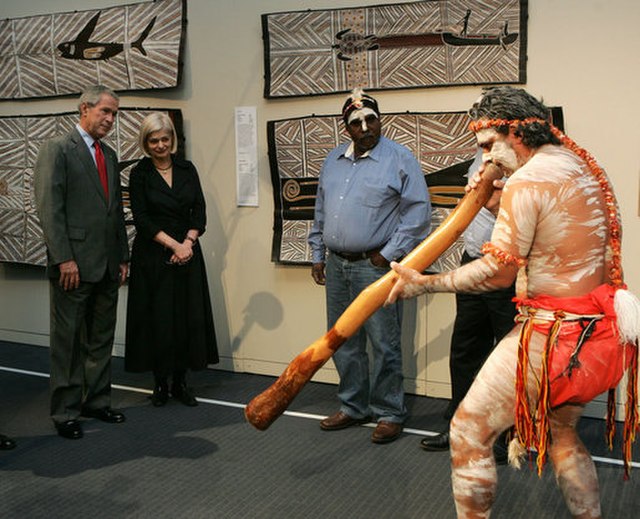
(102, 168)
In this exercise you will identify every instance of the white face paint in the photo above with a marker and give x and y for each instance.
(361, 115)
(496, 148)
(503, 155)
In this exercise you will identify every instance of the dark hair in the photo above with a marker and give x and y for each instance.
(510, 103)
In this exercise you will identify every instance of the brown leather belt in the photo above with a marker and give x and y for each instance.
(355, 256)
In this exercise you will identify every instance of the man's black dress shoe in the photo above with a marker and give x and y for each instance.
(182, 393)
(106, 414)
(70, 429)
(436, 443)
(6, 443)
(441, 443)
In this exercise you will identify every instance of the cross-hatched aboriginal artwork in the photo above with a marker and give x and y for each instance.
(131, 47)
(21, 239)
(419, 44)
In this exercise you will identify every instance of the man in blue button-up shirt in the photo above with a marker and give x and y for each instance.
(372, 207)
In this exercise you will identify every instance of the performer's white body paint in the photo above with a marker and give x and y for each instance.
(552, 214)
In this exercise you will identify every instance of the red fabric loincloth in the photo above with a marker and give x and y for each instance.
(599, 362)
(582, 357)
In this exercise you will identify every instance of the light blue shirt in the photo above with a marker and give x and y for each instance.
(379, 200)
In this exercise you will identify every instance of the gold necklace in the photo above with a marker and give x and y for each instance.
(163, 169)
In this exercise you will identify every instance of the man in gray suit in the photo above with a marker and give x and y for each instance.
(77, 188)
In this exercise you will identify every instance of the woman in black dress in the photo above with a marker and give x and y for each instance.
(169, 320)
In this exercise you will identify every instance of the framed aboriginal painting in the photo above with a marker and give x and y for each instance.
(130, 47)
(429, 43)
(441, 141)
(21, 239)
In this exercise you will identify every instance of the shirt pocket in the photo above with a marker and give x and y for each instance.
(376, 194)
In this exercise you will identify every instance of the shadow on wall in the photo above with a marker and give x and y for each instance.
(264, 310)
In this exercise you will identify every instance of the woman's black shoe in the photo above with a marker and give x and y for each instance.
(6, 443)
(181, 392)
(160, 395)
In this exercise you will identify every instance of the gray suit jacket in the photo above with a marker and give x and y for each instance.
(77, 221)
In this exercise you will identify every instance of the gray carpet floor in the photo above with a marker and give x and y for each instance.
(208, 462)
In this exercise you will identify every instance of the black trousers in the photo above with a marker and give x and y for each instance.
(482, 320)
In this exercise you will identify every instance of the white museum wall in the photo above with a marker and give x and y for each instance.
(583, 56)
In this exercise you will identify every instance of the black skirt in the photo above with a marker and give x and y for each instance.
(169, 318)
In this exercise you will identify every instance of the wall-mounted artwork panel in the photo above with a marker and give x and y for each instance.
(21, 239)
(419, 44)
(130, 47)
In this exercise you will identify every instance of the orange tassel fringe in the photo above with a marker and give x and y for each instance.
(631, 412)
(610, 431)
(523, 419)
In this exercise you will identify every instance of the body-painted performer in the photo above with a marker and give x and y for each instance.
(558, 232)
(372, 207)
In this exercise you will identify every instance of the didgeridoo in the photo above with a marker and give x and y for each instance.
(271, 403)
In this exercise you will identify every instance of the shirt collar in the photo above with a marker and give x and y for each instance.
(85, 136)
(349, 152)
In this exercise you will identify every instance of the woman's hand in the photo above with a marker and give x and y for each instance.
(182, 253)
